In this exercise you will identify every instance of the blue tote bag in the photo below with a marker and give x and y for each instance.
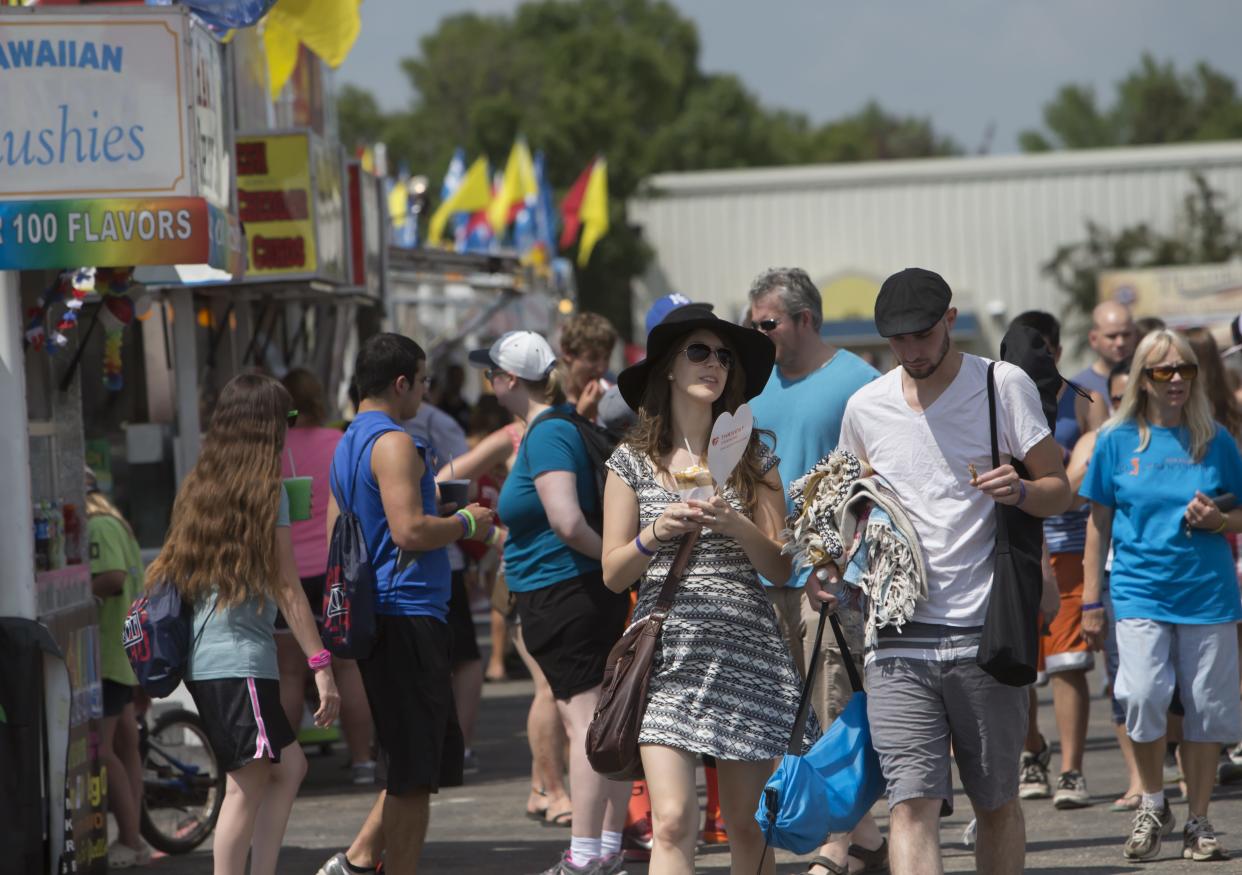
(831, 787)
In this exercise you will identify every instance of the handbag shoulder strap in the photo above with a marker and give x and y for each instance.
(804, 702)
(665, 600)
(1002, 530)
(992, 414)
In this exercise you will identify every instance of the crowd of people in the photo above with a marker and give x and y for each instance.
(580, 489)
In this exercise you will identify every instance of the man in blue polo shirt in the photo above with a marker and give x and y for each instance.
(803, 403)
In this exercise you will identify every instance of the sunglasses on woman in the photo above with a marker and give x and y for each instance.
(697, 353)
(1164, 373)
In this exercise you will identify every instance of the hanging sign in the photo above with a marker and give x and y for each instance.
(116, 232)
(128, 104)
(292, 204)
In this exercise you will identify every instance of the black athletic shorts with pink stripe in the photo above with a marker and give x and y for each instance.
(243, 719)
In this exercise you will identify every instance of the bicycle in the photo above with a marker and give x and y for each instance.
(182, 782)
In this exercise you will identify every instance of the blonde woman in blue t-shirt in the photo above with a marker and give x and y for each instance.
(1157, 466)
(229, 553)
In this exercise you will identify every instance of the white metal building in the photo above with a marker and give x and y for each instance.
(988, 224)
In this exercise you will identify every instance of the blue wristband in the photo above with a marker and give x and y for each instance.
(1093, 606)
(641, 549)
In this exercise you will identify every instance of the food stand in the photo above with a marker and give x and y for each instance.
(115, 151)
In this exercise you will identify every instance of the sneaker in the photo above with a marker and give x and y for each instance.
(363, 773)
(636, 841)
(339, 865)
(124, 857)
(1149, 827)
(469, 763)
(1071, 792)
(1033, 774)
(564, 867)
(1199, 841)
(613, 865)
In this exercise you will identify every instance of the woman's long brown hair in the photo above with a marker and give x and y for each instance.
(223, 530)
(653, 434)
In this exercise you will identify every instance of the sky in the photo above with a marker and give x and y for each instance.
(968, 65)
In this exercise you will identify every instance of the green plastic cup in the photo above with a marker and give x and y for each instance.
(299, 490)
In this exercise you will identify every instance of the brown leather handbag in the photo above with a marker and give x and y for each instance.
(612, 739)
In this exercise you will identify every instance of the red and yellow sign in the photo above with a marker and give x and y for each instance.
(274, 192)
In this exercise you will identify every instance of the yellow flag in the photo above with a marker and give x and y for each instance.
(594, 211)
(399, 204)
(474, 193)
(518, 183)
(281, 46)
(329, 28)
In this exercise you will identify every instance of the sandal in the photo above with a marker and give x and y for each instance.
(873, 861)
(561, 818)
(1127, 803)
(826, 864)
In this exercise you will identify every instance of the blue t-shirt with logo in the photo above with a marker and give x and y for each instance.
(535, 557)
(1160, 573)
(806, 416)
(406, 584)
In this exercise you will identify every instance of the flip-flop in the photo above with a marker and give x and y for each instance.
(1127, 803)
(540, 814)
(561, 818)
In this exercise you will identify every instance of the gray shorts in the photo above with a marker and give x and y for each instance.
(921, 710)
(1202, 661)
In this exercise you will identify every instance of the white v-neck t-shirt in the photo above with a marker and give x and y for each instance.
(925, 457)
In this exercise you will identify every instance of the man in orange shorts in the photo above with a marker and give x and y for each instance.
(1063, 650)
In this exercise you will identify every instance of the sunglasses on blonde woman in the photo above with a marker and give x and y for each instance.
(697, 353)
(1164, 373)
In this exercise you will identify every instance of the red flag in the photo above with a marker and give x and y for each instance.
(571, 208)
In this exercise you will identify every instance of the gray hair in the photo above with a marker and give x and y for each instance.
(797, 293)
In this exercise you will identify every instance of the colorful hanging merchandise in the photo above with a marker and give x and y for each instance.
(68, 288)
(117, 293)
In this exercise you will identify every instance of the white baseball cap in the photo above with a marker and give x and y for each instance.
(524, 354)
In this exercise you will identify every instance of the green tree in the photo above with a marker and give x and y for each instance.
(1203, 234)
(613, 77)
(1153, 104)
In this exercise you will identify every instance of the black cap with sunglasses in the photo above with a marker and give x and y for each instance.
(753, 350)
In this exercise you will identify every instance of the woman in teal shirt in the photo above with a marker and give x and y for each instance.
(570, 620)
(1157, 465)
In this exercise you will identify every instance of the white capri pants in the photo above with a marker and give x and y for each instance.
(1201, 660)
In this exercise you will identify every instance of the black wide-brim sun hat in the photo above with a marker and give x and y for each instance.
(753, 349)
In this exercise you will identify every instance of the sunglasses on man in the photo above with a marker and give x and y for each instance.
(697, 353)
(1164, 373)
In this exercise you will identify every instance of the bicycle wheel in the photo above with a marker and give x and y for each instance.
(182, 784)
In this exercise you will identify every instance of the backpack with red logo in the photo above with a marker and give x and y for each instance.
(156, 638)
(349, 588)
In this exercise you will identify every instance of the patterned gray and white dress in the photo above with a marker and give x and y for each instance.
(723, 682)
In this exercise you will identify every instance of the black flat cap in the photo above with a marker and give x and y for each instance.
(911, 301)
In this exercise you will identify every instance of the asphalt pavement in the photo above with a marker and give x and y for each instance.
(480, 828)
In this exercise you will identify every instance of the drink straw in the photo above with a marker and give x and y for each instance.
(292, 467)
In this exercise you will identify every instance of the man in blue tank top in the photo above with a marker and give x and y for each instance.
(1064, 652)
(383, 475)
